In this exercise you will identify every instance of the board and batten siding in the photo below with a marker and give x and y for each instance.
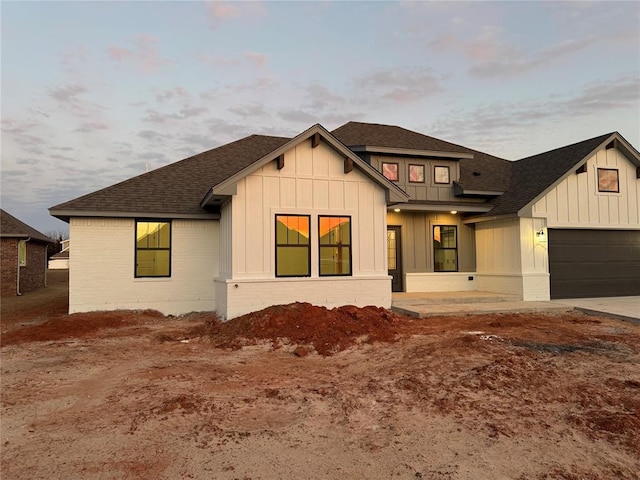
(512, 259)
(312, 182)
(427, 190)
(576, 203)
(416, 230)
(102, 263)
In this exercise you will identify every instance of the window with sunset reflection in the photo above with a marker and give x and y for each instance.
(293, 250)
(335, 245)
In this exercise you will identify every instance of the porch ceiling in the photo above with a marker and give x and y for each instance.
(440, 207)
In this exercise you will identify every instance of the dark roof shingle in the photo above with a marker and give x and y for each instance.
(491, 173)
(533, 175)
(176, 188)
(354, 134)
(11, 227)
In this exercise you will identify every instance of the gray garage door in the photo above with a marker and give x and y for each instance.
(594, 263)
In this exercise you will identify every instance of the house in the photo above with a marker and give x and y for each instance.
(347, 217)
(23, 256)
(60, 260)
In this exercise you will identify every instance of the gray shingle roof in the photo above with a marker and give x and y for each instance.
(354, 134)
(531, 176)
(11, 227)
(491, 173)
(176, 188)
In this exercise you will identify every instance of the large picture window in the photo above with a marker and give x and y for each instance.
(445, 248)
(335, 245)
(293, 252)
(153, 249)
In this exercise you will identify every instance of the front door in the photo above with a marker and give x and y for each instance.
(394, 256)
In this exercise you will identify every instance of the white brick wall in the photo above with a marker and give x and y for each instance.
(244, 296)
(101, 273)
(440, 282)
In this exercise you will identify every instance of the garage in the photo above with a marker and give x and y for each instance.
(594, 263)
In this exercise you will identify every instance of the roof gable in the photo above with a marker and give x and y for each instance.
(534, 176)
(396, 194)
(11, 227)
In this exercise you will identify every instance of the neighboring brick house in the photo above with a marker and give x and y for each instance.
(347, 217)
(23, 257)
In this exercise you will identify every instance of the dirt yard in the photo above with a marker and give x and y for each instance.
(298, 392)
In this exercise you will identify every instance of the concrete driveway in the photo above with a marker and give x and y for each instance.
(626, 308)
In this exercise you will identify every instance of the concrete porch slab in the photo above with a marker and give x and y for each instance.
(450, 309)
(431, 304)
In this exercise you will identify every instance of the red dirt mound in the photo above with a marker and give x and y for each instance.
(328, 331)
(78, 325)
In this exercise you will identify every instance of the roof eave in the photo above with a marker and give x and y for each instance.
(66, 215)
(411, 152)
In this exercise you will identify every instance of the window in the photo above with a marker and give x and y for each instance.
(22, 253)
(416, 173)
(608, 180)
(293, 252)
(390, 170)
(441, 175)
(335, 245)
(445, 248)
(153, 249)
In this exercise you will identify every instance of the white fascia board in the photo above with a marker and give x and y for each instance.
(83, 213)
(411, 152)
(227, 187)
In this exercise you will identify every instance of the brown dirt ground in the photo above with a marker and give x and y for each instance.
(303, 392)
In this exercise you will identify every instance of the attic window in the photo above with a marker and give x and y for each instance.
(608, 180)
(416, 173)
(390, 170)
(441, 175)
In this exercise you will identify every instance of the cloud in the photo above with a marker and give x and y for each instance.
(168, 94)
(185, 112)
(151, 135)
(249, 111)
(259, 59)
(220, 11)
(297, 115)
(521, 63)
(514, 121)
(254, 59)
(321, 98)
(67, 93)
(400, 85)
(142, 54)
(92, 127)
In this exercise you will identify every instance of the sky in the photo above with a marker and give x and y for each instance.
(93, 93)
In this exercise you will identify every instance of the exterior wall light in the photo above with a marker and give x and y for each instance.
(396, 210)
(453, 212)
